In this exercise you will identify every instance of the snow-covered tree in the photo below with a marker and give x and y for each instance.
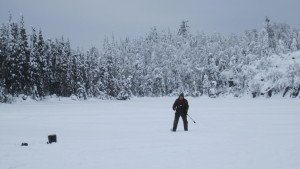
(183, 29)
(160, 63)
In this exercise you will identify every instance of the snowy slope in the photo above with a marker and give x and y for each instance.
(229, 134)
(276, 73)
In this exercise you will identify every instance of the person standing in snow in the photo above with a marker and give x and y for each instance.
(180, 107)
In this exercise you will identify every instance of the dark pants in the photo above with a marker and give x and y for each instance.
(184, 119)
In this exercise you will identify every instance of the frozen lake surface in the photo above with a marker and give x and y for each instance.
(230, 133)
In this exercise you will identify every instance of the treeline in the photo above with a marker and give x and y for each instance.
(159, 64)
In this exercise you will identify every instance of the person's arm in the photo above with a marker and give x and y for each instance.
(187, 106)
(174, 105)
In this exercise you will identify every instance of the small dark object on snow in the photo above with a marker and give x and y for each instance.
(24, 144)
(51, 139)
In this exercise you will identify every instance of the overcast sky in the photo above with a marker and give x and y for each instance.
(86, 22)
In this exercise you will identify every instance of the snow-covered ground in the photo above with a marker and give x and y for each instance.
(230, 133)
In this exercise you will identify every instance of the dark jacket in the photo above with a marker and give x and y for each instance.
(181, 106)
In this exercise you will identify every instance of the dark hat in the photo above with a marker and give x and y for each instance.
(181, 95)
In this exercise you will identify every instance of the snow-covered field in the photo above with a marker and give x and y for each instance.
(230, 133)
